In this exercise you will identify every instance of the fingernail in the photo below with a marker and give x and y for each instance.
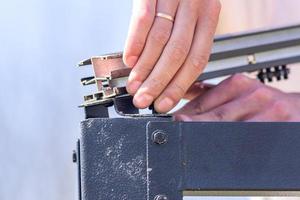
(142, 100)
(165, 105)
(131, 61)
(133, 86)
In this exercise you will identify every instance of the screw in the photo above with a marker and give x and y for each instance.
(159, 137)
(74, 157)
(161, 197)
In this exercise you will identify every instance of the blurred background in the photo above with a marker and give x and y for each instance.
(41, 42)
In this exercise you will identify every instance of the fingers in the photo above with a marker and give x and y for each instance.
(275, 111)
(236, 110)
(255, 102)
(141, 22)
(171, 59)
(226, 91)
(197, 89)
(156, 41)
(195, 62)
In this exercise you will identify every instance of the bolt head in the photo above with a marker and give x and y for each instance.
(159, 137)
(161, 197)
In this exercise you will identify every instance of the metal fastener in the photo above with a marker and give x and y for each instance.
(159, 137)
(251, 59)
(74, 157)
(161, 197)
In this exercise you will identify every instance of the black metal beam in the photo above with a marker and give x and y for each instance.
(124, 159)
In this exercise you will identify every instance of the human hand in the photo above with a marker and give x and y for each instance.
(242, 99)
(168, 57)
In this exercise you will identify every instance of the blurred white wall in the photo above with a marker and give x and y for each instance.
(242, 15)
(41, 41)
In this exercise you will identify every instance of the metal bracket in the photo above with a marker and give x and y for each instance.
(164, 161)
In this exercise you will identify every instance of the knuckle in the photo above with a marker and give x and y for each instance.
(279, 108)
(177, 50)
(160, 36)
(199, 108)
(238, 79)
(214, 9)
(151, 87)
(175, 92)
(134, 49)
(167, 76)
(145, 16)
(215, 6)
(197, 63)
(141, 73)
(237, 82)
(193, 6)
(138, 44)
(156, 85)
(262, 94)
(179, 47)
(219, 114)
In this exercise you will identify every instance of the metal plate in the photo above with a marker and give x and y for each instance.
(224, 156)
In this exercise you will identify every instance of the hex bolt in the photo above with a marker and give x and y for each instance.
(160, 197)
(159, 137)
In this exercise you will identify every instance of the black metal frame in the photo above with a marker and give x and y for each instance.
(135, 159)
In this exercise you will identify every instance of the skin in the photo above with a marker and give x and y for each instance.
(240, 98)
(166, 57)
